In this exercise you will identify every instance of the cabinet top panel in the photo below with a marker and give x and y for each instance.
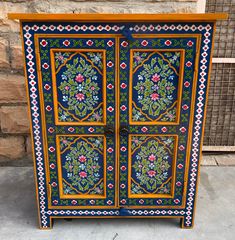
(118, 17)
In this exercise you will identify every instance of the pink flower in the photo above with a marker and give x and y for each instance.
(168, 88)
(92, 88)
(80, 96)
(97, 116)
(151, 173)
(155, 77)
(83, 174)
(60, 57)
(79, 78)
(138, 58)
(152, 158)
(66, 87)
(154, 96)
(82, 158)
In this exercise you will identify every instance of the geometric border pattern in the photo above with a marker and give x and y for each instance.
(206, 29)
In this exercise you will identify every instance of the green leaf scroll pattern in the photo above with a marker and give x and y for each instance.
(165, 189)
(63, 115)
(96, 116)
(139, 57)
(65, 142)
(70, 191)
(154, 89)
(96, 58)
(169, 116)
(79, 89)
(137, 141)
(173, 58)
(61, 57)
(150, 168)
(81, 173)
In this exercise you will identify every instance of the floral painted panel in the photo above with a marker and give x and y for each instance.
(82, 163)
(151, 165)
(155, 81)
(79, 77)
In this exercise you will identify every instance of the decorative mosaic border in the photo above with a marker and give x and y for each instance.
(28, 33)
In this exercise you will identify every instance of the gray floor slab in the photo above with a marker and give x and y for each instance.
(208, 160)
(225, 160)
(215, 217)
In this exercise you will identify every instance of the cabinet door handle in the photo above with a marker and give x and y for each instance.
(108, 130)
(124, 130)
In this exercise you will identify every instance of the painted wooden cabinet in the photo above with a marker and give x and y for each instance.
(117, 108)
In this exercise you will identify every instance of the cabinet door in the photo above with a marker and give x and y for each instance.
(157, 91)
(77, 86)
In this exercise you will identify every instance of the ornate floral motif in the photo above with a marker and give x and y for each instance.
(82, 168)
(151, 165)
(155, 80)
(79, 80)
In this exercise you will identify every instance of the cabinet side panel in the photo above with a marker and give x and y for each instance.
(204, 69)
(35, 124)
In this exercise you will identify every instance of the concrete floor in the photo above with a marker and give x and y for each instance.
(215, 218)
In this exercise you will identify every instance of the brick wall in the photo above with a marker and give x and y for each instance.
(15, 148)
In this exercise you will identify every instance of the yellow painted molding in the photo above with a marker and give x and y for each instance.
(182, 17)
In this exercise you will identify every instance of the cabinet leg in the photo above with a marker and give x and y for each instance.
(46, 223)
(185, 224)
